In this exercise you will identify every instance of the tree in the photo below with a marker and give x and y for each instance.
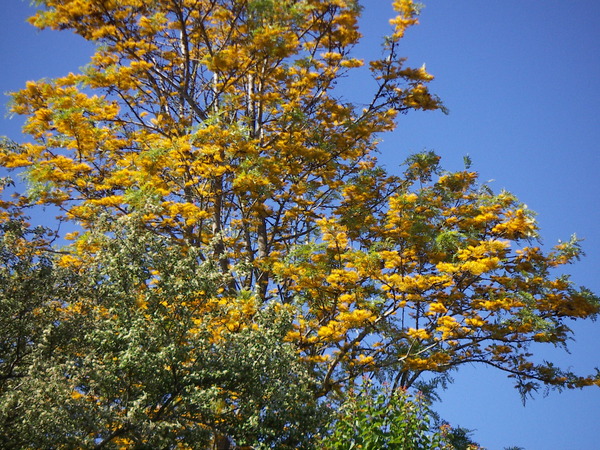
(431, 282)
(114, 355)
(215, 126)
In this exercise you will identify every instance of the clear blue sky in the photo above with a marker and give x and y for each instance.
(521, 79)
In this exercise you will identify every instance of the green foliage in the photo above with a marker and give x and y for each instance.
(24, 278)
(30, 298)
(374, 418)
(124, 364)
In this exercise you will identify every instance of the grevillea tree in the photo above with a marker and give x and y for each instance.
(215, 127)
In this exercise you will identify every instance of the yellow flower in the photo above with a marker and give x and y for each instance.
(437, 308)
(418, 334)
(364, 360)
(475, 321)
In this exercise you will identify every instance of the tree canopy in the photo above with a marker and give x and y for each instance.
(240, 261)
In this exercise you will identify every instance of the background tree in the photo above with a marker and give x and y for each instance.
(106, 353)
(215, 127)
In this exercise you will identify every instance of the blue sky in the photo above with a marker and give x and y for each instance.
(521, 79)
